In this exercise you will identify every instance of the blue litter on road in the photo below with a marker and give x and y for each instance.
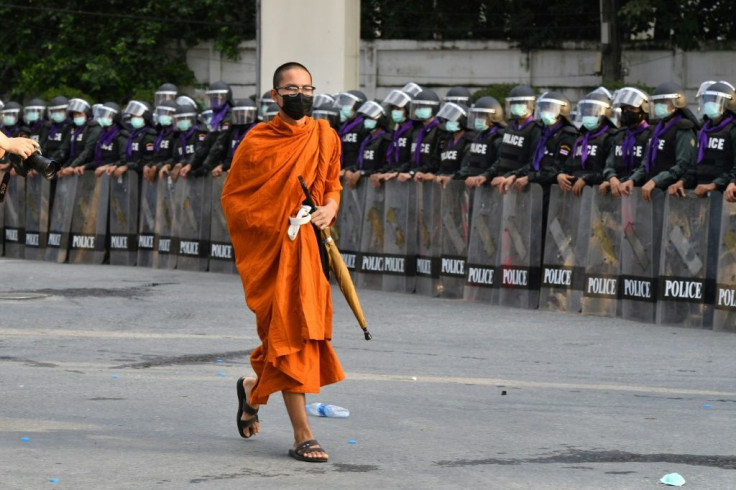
(221, 373)
(673, 480)
(25, 439)
(352, 441)
(115, 376)
(707, 405)
(219, 360)
(53, 480)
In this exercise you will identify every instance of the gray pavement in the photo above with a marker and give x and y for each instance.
(109, 379)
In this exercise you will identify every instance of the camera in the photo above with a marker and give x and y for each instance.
(38, 162)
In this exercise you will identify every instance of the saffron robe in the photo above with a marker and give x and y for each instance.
(283, 280)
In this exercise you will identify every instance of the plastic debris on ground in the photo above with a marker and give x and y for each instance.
(673, 480)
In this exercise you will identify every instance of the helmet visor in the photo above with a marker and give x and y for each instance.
(371, 109)
(451, 112)
(135, 108)
(243, 114)
(322, 99)
(345, 99)
(519, 107)
(590, 107)
(104, 111)
(163, 95)
(78, 105)
(421, 108)
(397, 98)
(216, 98)
(629, 96)
(552, 106)
(411, 88)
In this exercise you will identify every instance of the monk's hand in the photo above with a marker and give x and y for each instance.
(324, 215)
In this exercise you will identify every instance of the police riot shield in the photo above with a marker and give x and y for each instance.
(60, 226)
(163, 256)
(521, 247)
(724, 317)
(454, 230)
(2, 215)
(565, 249)
(349, 224)
(15, 218)
(38, 191)
(221, 256)
(688, 259)
(641, 226)
(399, 236)
(428, 238)
(193, 202)
(603, 260)
(371, 260)
(89, 219)
(124, 219)
(146, 224)
(484, 246)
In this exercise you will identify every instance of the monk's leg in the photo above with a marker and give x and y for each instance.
(248, 384)
(296, 406)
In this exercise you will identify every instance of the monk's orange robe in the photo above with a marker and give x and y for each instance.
(283, 280)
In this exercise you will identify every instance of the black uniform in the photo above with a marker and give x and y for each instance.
(351, 136)
(215, 147)
(82, 141)
(552, 150)
(670, 153)
(452, 153)
(398, 153)
(56, 141)
(716, 157)
(109, 149)
(225, 147)
(516, 148)
(588, 157)
(139, 149)
(482, 152)
(163, 147)
(424, 155)
(627, 151)
(189, 146)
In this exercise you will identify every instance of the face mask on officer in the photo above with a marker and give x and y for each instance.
(590, 122)
(32, 117)
(397, 116)
(661, 111)
(452, 126)
(58, 117)
(80, 120)
(712, 110)
(423, 113)
(630, 118)
(548, 118)
(519, 110)
(164, 120)
(480, 124)
(346, 112)
(184, 125)
(9, 120)
(137, 122)
(105, 122)
(370, 124)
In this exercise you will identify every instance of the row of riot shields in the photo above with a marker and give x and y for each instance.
(669, 261)
(118, 220)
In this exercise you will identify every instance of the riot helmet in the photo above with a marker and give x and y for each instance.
(244, 111)
(321, 99)
(218, 95)
(717, 99)
(603, 91)
(186, 100)
(374, 114)
(593, 109)
(396, 104)
(11, 113)
(205, 117)
(79, 106)
(458, 94)
(139, 113)
(633, 106)
(411, 88)
(185, 117)
(328, 112)
(57, 109)
(486, 112)
(551, 107)
(96, 110)
(167, 91)
(109, 114)
(348, 102)
(667, 98)
(271, 110)
(34, 111)
(424, 105)
(520, 102)
(454, 116)
(165, 111)
(264, 103)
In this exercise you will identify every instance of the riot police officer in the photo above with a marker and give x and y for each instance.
(140, 145)
(398, 153)
(671, 149)
(163, 145)
(453, 144)
(630, 141)
(110, 146)
(34, 115)
(485, 119)
(188, 141)
(458, 94)
(351, 131)
(11, 123)
(372, 151)
(716, 156)
(83, 138)
(584, 166)
(324, 108)
(424, 158)
(216, 145)
(243, 118)
(57, 130)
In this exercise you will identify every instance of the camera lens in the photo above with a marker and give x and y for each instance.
(41, 164)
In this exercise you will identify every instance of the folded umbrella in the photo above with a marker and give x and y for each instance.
(337, 264)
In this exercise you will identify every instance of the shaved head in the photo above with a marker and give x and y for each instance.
(278, 75)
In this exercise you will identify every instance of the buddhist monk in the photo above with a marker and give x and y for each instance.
(281, 271)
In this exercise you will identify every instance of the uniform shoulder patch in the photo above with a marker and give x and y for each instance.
(201, 136)
(225, 126)
(565, 150)
(149, 146)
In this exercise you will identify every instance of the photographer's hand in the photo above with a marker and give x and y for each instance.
(23, 147)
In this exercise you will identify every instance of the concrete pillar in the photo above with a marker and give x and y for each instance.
(323, 35)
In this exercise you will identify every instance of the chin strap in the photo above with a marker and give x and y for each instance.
(302, 217)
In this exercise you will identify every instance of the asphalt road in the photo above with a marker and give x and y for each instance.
(117, 378)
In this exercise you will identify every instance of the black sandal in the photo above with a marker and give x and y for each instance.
(311, 446)
(244, 407)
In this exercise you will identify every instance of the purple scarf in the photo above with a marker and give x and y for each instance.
(542, 145)
(520, 128)
(584, 143)
(392, 154)
(106, 137)
(56, 127)
(660, 129)
(164, 133)
(345, 129)
(239, 137)
(708, 128)
(183, 137)
(218, 116)
(75, 133)
(420, 137)
(627, 146)
(366, 142)
(129, 146)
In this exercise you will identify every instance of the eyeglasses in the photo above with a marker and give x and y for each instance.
(293, 90)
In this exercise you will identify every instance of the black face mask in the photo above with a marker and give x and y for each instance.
(631, 119)
(298, 106)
